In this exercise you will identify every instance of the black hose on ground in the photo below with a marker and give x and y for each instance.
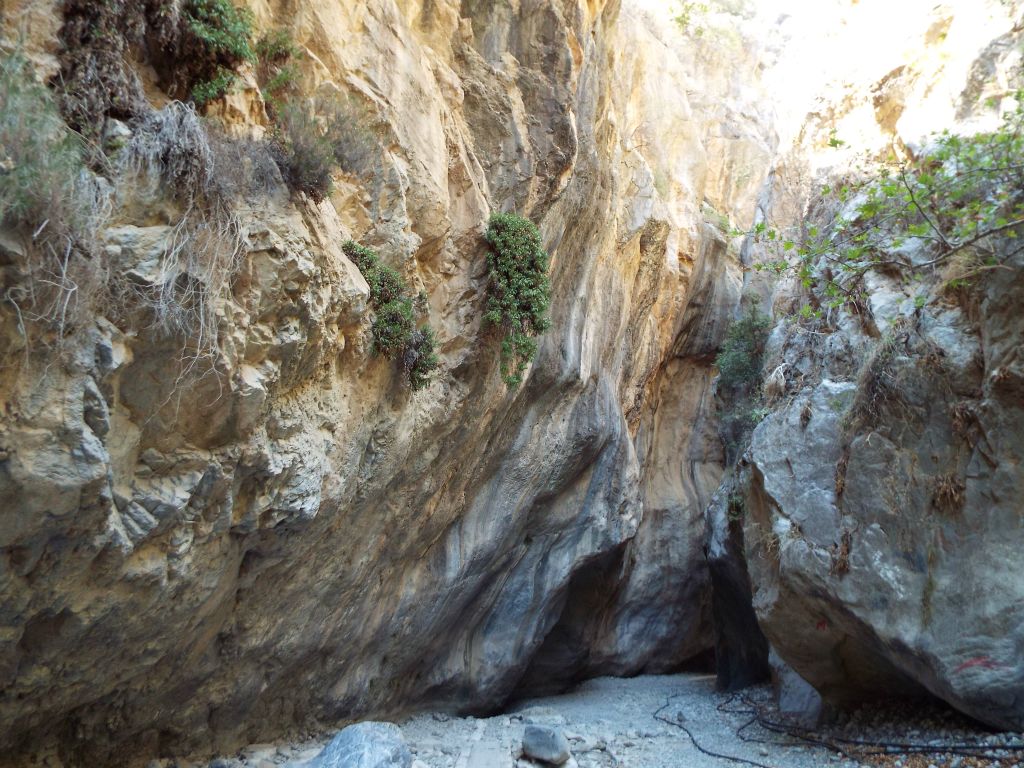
(732, 758)
(865, 747)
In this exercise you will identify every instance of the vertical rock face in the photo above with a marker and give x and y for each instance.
(881, 496)
(194, 558)
(885, 560)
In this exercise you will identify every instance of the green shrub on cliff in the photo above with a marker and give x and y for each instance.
(392, 327)
(276, 71)
(740, 359)
(740, 363)
(216, 39)
(41, 161)
(395, 334)
(51, 202)
(519, 292)
(957, 208)
(419, 358)
(386, 285)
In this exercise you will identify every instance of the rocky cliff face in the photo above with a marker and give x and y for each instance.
(879, 499)
(208, 544)
(196, 555)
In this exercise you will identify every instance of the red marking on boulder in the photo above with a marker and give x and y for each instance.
(978, 661)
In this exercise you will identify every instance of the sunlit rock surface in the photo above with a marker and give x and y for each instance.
(293, 536)
(288, 536)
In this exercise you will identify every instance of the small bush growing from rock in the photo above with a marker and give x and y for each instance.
(355, 139)
(304, 150)
(739, 377)
(41, 161)
(50, 199)
(393, 327)
(386, 285)
(519, 292)
(276, 72)
(395, 334)
(215, 40)
(210, 90)
(223, 29)
(364, 258)
(277, 47)
(313, 139)
(740, 359)
(419, 358)
(246, 168)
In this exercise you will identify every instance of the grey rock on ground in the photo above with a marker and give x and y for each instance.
(796, 697)
(547, 744)
(365, 745)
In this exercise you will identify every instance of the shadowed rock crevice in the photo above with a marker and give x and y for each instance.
(741, 649)
(564, 657)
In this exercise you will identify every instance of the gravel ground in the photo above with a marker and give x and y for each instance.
(658, 721)
(612, 722)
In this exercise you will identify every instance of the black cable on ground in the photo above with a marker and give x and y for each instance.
(864, 747)
(757, 718)
(732, 758)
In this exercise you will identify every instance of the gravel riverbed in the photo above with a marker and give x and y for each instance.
(675, 721)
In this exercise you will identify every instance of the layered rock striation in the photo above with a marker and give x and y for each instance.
(224, 518)
(200, 550)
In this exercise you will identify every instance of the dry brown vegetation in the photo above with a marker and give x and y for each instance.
(61, 272)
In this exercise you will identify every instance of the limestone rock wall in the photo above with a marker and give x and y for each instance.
(290, 536)
(884, 553)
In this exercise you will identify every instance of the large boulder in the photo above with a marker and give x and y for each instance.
(365, 745)
(883, 518)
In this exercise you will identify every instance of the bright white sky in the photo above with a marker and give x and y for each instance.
(821, 47)
(838, 42)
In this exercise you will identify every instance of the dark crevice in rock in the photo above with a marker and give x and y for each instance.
(563, 658)
(741, 649)
(573, 650)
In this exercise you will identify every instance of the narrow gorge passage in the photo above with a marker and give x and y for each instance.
(451, 381)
